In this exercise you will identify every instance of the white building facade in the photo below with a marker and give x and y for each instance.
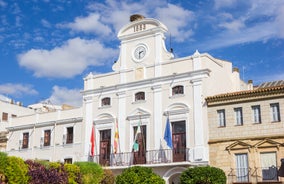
(149, 86)
(129, 108)
(51, 136)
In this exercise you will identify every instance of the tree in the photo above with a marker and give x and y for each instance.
(203, 175)
(137, 175)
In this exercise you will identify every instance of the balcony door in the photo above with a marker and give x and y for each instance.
(139, 154)
(105, 146)
(179, 141)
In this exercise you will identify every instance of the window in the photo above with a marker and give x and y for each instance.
(242, 170)
(275, 112)
(256, 114)
(177, 90)
(139, 96)
(69, 138)
(46, 141)
(25, 143)
(106, 101)
(268, 166)
(68, 161)
(221, 118)
(238, 116)
(4, 116)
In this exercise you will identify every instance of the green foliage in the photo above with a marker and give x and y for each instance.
(73, 172)
(108, 177)
(137, 175)
(3, 165)
(203, 175)
(3, 161)
(16, 171)
(91, 172)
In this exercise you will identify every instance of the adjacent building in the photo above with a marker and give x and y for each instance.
(51, 136)
(8, 110)
(246, 133)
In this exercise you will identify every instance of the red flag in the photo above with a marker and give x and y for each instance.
(116, 139)
(92, 151)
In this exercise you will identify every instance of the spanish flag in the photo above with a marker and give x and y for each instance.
(116, 138)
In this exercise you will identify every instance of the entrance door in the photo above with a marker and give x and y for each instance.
(179, 141)
(139, 153)
(105, 139)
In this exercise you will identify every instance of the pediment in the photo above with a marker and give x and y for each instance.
(238, 145)
(266, 143)
(142, 26)
(104, 118)
(138, 113)
(176, 108)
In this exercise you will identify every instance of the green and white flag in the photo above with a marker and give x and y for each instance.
(135, 143)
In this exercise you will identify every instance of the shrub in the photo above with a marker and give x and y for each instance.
(203, 175)
(137, 175)
(16, 170)
(108, 177)
(73, 173)
(3, 165)
(52, 173)
(91, 172)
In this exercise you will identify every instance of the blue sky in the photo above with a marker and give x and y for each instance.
(47, 47)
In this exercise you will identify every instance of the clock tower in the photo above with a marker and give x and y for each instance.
(142, 46)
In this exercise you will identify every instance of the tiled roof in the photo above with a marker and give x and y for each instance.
(271, 84)
(261, 91)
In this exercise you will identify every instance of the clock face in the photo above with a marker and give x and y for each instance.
(140, 52)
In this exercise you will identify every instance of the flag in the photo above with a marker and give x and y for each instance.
(116, 138)
(168, 134)
(92, 140)
(136, 144)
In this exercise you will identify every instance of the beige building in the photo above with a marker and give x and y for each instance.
(246, 136)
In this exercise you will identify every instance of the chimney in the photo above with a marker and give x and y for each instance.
(250, 85)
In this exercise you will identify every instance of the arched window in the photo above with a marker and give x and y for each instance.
(106, 101)
(139, 96)
(177, 90)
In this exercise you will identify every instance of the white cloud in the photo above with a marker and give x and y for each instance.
(234, 25)
(45, 23)
(224, 3)
(259, 21)
(62, 95)
(177, 20)
(90, 24)
(3, 4)
(17, 90)
(66, 61)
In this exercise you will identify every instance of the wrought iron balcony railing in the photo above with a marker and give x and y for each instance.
(161, 156)
(253, 175)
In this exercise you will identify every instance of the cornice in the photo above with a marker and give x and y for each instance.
(248, 95)
(224, 140)
(192, 75)
(43, 124)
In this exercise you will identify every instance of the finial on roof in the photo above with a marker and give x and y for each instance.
(136, 17)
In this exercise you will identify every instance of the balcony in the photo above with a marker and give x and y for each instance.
(162, 156)
(261, 175)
